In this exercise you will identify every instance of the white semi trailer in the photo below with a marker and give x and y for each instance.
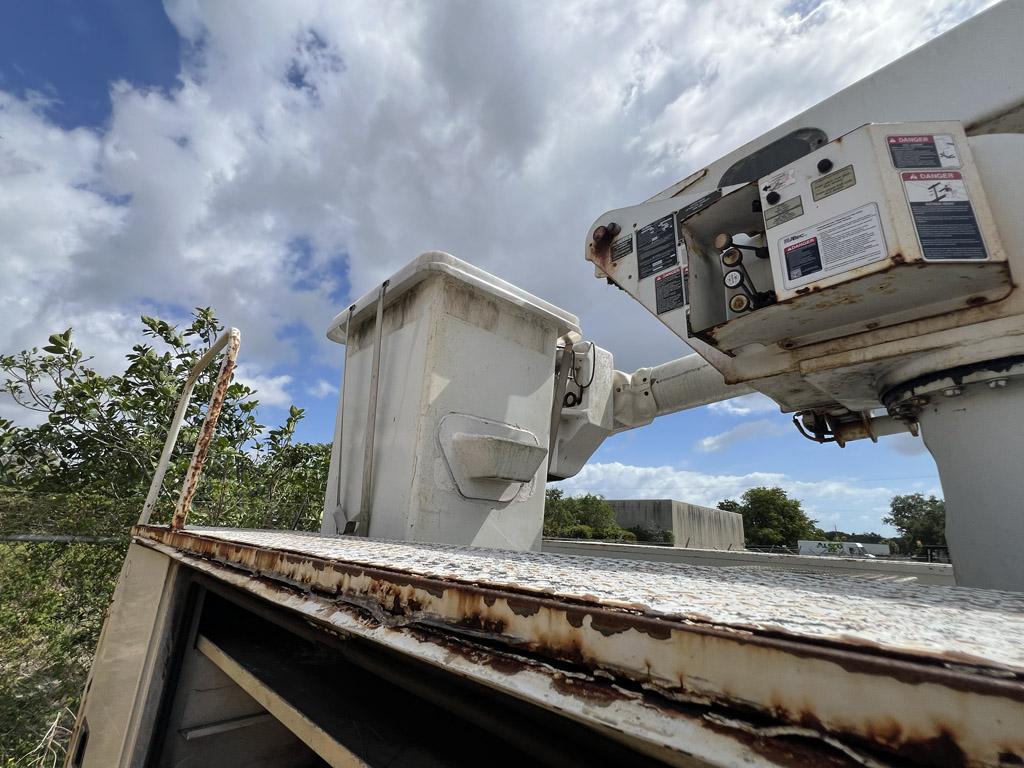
(860, 265)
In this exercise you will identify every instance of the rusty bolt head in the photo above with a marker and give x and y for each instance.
(606, 232)
(723, 240)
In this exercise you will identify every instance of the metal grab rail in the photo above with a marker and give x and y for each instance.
(231, 339)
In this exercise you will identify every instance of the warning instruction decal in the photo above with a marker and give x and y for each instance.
(622, 247)
(803, 257)
(656, 247)
(943, 215)
(668, 291)
(836, 181)
(928, 151)
(834, 246)
(783, 212)
(698, 205)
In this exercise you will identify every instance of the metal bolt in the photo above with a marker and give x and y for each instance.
(606, 232)
(952, 391)
(997, 384)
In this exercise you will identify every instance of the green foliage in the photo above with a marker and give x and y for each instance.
(860, 538)
(919, 520)
(770, 518)
(651, 534)
(579, 517)
(53, 599)
(85, 471)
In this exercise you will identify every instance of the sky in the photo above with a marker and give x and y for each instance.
(277, 160)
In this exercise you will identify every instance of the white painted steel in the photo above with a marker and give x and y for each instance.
(677, 385)
(454, 342)
(615, 401)
(978, 444)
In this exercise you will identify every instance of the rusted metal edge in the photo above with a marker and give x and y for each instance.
(207, 431)
(632, 615)
(677, 733)
(232, 339)
(906, 706)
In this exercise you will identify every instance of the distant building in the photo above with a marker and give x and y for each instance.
(692, 526)
(842, 548)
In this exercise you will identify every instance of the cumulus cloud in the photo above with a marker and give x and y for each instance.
(322, 388)
(746, 405)
(846, 503)
(311, 148)
(270, 390)
(748, 430)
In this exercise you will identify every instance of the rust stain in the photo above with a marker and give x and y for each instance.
(209, 428)
(662, 651)
(518, 607)
(582, 688)
(941, 751)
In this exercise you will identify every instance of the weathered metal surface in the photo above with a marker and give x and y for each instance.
(876, 569)
(232, 339)
(209, 428)
(675, 732)
(931, 674)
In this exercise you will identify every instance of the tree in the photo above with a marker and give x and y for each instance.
(86, 470)
(87, 467)
(921, 521)
(580, 517)
(770, 517)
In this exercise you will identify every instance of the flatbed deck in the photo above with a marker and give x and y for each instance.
(877, 667)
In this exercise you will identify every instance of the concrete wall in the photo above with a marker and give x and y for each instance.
(877, 570)
(691, 525)
(653, 514)
(706, 528)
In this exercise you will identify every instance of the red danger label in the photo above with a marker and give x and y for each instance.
(801, 244)
(931, 176)
(911, 140)
(670, 273)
